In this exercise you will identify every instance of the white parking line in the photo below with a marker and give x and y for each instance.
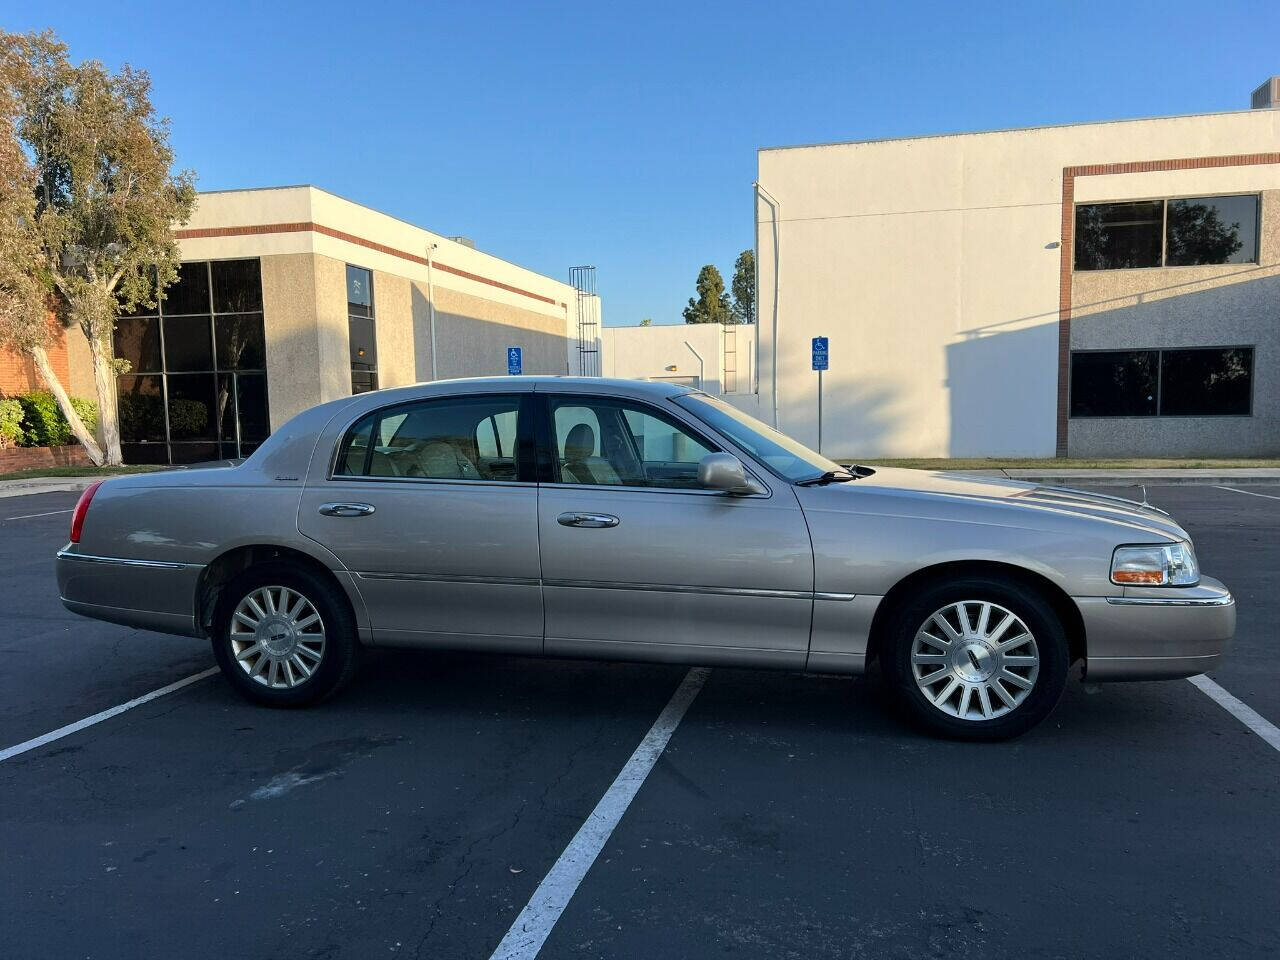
(1239, 709)
(71, 728)
(30, 516)
(536, 920)
(1248, 493)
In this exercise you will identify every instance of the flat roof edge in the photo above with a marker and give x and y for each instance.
(997, 130)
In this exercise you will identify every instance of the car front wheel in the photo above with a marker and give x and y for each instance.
(282, 638)
(977, 659)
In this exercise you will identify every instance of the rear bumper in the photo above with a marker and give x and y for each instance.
(137, 593)
(1154, 635)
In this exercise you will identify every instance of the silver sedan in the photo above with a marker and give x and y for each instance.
(638, 521)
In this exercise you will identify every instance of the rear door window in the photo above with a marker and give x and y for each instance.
(464, 438)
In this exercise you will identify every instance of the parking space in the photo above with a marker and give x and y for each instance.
(789, 816)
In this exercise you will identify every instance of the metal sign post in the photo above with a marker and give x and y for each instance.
(515, 361)
(821, 356)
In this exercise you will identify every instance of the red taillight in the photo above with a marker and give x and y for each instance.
(82, 508)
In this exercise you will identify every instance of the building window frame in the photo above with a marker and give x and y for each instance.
(1159, 398)
(1164, 202)
(364, 374)
(237, 446)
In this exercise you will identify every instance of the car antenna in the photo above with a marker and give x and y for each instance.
(1144, 494)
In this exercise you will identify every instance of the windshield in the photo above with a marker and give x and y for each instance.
(786, 457)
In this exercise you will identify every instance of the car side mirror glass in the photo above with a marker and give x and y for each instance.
(724, 471)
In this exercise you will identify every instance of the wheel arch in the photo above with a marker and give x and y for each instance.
(235, 561)
(1062, 604)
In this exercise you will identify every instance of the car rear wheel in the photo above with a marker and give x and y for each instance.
(978, 658)
(282, 638)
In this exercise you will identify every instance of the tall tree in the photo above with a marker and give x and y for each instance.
(744, 287)
(90, 202)
(712, 303)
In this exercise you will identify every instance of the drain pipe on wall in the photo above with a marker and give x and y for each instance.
(702, 366)
(431, 308)
(776, 210)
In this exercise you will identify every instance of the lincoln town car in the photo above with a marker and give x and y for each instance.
(629, 520)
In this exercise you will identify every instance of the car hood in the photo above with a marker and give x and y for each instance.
(1031, 497)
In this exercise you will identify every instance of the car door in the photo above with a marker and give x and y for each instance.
(433, 506)
(640, 561)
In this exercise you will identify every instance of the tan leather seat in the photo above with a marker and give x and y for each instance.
(442, 460)
(580, 466)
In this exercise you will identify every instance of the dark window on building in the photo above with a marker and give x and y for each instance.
(196, 388)
(1114, 383)
(1206, 382)
(1199, 382)
(1112, 236)
(189, 293)
(1212, 230)
(1171, 233)
(361, 331)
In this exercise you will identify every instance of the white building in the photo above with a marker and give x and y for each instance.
(717, 359)
(1093, 289)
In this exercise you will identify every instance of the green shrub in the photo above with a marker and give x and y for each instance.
(43, 424)
(10, 423)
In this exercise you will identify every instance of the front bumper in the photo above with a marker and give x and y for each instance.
(1157, 633)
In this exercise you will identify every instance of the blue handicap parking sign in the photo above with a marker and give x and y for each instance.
(515, 362)
(820, 353)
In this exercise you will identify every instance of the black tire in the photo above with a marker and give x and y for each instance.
(341, 651)
(1049, 678)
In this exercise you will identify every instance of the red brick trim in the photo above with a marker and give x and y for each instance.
(310, 227)
(1066, 263)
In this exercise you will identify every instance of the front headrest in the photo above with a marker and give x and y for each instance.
(581, 442)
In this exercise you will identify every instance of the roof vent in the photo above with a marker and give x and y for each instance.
(1267, 96)
(468, 242)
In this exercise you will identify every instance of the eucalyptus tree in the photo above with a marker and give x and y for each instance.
(90, 202)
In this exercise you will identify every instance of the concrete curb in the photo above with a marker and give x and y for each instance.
(33, 485)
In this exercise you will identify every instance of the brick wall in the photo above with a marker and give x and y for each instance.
(18, 374)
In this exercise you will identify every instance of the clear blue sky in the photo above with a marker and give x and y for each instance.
(624, 135)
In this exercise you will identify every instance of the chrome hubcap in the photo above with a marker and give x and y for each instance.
(975, 660)
(277, 637)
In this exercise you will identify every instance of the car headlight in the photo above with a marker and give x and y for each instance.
(1156, 565)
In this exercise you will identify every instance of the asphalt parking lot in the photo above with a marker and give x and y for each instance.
(789, 816)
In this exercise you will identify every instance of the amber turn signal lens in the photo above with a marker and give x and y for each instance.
(1154, 577)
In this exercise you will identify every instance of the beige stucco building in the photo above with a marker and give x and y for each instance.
(292, 296)
(715, 358)
(1085, 290)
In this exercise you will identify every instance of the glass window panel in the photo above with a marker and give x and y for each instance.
(611, 443)
(134, 453)
(237, 286)
(141, 407)
(433, 440)
(353, 453)
(224, 409)
(187, 344)
(363, 382)
(240, 341)
(195, 452)
(190, 292)
(192, 407)
(251, 399)
(137, 340)
(364, 349)
(1114, 383)
(1115, 236)
(1206, 382)
(1212, 230)
(359, 292)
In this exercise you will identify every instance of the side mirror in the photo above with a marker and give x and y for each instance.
(724, 471)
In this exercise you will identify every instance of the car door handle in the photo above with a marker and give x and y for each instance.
(587, 520)
(346, 509)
